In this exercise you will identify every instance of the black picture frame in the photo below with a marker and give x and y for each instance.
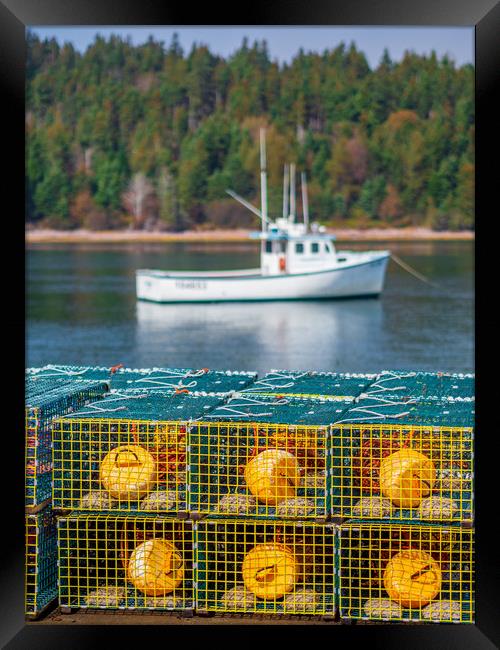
(485, 16)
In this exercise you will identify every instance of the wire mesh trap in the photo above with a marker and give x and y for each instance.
(41, 407)
(126, 453)
(402, 383)
(406, 573)
(262, 457)
(265, 567)
(310, 385)
(204, 380)
(419, 469)
(40, 561)
(70, 373)
(123, 562)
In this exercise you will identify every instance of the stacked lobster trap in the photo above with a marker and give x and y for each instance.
(121, 485)
(402, 485)
(259, 495)
(46, 398)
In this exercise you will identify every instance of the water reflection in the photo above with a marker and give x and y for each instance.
(324, 335)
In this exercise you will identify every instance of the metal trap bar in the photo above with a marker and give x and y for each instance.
(404, 460)
(311, 385)
(41, 408)
(395, 572)
(40, 561)
(272, 466)
(265, 567)
(122, 562)
(127, 453)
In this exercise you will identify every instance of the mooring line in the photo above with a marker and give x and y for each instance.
(413, 271)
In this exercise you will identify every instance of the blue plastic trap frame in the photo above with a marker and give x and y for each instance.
(41, 561)
(41, 408)
(324, 385)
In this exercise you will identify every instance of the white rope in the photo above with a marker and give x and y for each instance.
(413, 272)
(117, 397)
(267, 382)
(231, 409)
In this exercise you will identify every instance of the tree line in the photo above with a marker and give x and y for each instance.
(150, 136)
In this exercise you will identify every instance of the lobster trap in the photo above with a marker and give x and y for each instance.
(311, 385)
(126, 453)
(262, 458)
(123, 562)
(406, 384)
(265, 567)
(406, 573)
(45, 402)
(204, 380)
(70, 373)
(40, 561)
(404, 461)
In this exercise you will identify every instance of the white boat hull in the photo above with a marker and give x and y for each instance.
(363, 278)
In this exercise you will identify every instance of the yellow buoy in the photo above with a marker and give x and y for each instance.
(406, 477)
(155, 567)
(128, 472)
(273, 475)
(270, 571)
(412, 578)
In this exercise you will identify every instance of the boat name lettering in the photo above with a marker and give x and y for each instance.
(190, 284)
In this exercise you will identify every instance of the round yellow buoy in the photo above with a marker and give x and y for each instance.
(412, 578)
(128, 472)
(155, 567)
(273, 475)
(270, 571)
(406, 477)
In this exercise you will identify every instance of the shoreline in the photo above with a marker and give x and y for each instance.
(46, 236)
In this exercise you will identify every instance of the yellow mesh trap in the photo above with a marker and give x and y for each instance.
(405, 472)
(406, 573)
(120, 562)
(265, 567)
(127, 453)
(262, 467)
(40, 561)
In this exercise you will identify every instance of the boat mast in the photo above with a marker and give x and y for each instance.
(263, 179)
(285, 191)
(305, 205)
(292, 192)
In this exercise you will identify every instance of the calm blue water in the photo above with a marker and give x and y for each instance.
(82, 310)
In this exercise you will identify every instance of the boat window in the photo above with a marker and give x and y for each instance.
(299, 248)
(269, 246)
(327, 248)
(315, 247)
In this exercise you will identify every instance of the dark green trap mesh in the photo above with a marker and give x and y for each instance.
(40, 410)
(55, 372)
(401, 383)
(204, 380)
(311, 384)
(41, 560)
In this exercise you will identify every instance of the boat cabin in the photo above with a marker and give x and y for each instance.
(288, 248)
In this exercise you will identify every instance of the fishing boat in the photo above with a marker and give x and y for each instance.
(298, 261)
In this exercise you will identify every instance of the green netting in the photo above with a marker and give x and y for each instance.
(434, 412)
(311, 384)
(280, 410)
(204, 380)
(35, 386)
(41, 560)
(40, 410)
(150, 405)
(403, 383)
(70, 372)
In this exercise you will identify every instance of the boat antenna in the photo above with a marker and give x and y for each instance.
(305, 205)
(263, 179)
(247, 205)
(292, 192)
(285, 191)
